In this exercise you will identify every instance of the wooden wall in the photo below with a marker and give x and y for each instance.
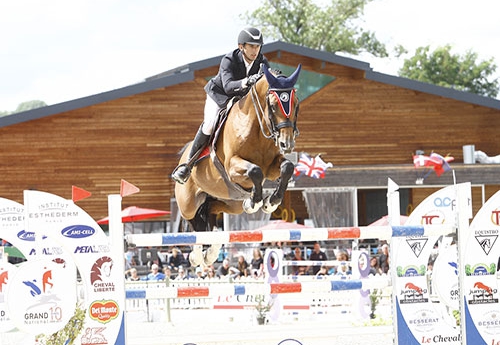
(352, 121)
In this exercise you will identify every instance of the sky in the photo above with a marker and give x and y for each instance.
(60, 50)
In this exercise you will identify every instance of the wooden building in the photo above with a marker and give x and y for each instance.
(366, 123)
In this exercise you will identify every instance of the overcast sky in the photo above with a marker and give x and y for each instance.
(60, 50)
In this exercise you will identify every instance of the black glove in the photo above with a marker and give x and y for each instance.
(252, 79)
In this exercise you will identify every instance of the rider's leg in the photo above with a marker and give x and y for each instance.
(183, 171)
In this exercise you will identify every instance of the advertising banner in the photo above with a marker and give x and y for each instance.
(57, 238)
(426, 283)
(481, 264)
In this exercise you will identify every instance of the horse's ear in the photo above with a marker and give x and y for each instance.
(295, 75)
(271, 79)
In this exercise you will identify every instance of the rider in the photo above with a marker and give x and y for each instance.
(238, 71)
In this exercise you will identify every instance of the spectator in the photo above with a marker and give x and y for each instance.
(167, 272)
(155, 273)
(323, 271)
(257, 264)
(225, 270)
(383, 259)
(296, 269)
(317, 255)
(199, 274)
(374, 266)
(343, 268)
(181, 274)
(175, 260)
(210, 273)
(132, 275)
(242, 266)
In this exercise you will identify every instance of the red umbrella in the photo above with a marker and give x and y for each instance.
(282, 225)
(134, 214)
(385, 221)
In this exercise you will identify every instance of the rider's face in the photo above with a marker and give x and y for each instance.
(250, 51)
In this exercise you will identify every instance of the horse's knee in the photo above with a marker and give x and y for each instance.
(287, 168)
(256, 175)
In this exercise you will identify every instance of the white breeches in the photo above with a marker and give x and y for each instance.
(211, 111)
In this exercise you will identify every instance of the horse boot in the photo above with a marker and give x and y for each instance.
(183, 171)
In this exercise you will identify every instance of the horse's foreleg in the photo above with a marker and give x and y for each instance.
(255, 202)
(272, 202)
(248, 175)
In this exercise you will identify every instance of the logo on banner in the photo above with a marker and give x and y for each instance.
(78, 231)
(490, 322)
(92, 249)
(103, 311)
(417, 245)
(434, 217)
(424, 320)
(482, 294)
(100, 275)
(413, 294)
(48, 251)
(480, 269)
(28, 236)
(486, 242)
(495, 217)
(93, 336)
(42, 303)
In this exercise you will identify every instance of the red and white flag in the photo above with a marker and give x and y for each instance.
(312, 167)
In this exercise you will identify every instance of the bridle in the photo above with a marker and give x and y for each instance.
(285, 97)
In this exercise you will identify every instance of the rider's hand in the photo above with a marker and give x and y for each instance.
(251, 80)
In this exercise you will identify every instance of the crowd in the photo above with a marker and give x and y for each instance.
(175, 265)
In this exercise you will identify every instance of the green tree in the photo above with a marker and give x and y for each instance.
(25, 106)
(330, 27)
(460, 72)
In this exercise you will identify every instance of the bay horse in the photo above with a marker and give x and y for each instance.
(248, 149)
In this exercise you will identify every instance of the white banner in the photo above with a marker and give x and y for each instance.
(481, 263)
(427, 297)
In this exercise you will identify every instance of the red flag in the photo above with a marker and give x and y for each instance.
(128, 188)
(79, 193)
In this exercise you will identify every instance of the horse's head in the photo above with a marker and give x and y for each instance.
(282, 107)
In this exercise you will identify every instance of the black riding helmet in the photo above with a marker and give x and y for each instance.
(251, 36)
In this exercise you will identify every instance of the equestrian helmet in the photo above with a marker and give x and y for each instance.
(251, 36)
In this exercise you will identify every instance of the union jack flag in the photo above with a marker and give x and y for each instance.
(312, 167)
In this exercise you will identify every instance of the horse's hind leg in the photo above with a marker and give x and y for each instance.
(272, 202)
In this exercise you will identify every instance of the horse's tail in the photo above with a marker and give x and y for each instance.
(202, 220)
(181, 151)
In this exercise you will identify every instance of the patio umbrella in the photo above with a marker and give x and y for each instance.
(133, 214)
(385, 221)
(281, 225)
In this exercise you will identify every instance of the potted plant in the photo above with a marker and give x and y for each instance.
(374, 299)
(262, 307)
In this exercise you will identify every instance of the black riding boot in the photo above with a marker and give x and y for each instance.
(183, 171)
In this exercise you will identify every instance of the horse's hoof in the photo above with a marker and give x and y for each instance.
(196, 256)
(268, 207)
(247, 206)
(212, 254)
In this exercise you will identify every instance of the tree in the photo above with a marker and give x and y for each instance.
(330, 27)
(443, 68)
(25, 106)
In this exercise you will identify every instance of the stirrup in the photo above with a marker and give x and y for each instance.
(181, 173)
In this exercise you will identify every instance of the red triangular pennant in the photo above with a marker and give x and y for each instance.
(79, 193)
(128, 188)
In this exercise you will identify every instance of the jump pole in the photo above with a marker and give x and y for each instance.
(287, 235)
